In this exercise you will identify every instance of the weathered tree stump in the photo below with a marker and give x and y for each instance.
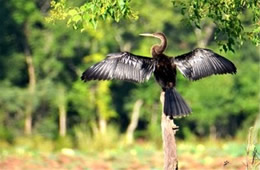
(169, 144)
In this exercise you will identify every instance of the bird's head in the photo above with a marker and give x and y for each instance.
(157, 49)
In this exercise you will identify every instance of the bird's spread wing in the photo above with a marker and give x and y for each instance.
(121, 66)
(201, 63)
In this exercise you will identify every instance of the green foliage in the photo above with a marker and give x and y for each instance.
(231, 29)
(228, 104)
(154, 134)
(90, 12)
(227, 15)
(91, 141)
(36, 142)
(63, 142)
(78, 96)
(103, 100)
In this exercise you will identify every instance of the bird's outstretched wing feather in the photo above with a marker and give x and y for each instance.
(121, 66)
(201, 63)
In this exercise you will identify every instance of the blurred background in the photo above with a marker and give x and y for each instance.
(50, 119)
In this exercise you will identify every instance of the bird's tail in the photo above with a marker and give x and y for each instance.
(174, 104)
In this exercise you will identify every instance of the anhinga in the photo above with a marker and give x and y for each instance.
(194, 65)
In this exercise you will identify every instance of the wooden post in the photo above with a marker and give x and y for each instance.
(168, 136)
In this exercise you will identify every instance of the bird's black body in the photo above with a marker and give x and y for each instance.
(165, 72)
(194, 65)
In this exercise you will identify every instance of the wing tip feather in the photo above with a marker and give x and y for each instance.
(202, 62)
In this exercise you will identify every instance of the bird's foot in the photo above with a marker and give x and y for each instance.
(175, 128)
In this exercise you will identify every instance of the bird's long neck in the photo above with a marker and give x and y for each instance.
(159, 48)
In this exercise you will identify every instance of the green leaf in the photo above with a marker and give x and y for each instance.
(76, 18)
(72, 12)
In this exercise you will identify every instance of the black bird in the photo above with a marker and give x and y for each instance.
(194, 65)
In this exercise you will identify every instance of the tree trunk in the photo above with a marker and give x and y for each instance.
(31, 85)
(134, 121)
(102, 125)
(28, 124)
(169, 145)
(62, 120)
(203, 39)
(31, 89)
(213, 132)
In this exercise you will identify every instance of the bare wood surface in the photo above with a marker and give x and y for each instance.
(169, 144)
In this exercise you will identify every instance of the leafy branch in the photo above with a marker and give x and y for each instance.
(90, 12)
(232, 28)
(227, 16)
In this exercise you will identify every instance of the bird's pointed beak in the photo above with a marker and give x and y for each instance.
(147, 34)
